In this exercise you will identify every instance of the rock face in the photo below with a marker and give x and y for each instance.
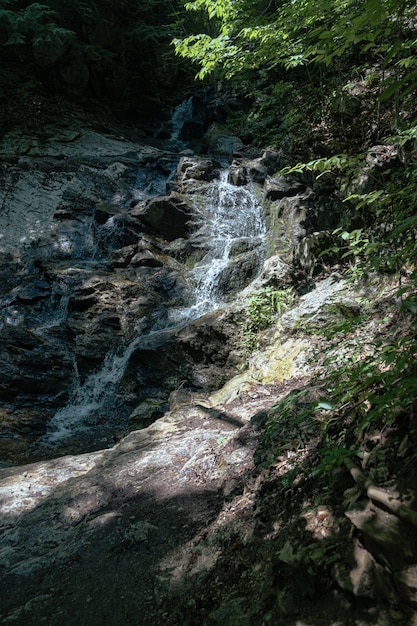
(155, 488)
(102, 239)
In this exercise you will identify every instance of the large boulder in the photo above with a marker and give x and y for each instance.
(191, 169)
(167, 216)
(221, 142)
(239, 272)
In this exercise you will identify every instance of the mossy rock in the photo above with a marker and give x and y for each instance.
(146, 413)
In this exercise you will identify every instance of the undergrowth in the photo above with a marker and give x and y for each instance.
(367, 377)
(261, 308)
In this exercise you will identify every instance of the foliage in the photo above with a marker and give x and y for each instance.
(261, 307)
(117, 51)
(325, 48)
(273, 115)
(375, 391)
(293, 34)
(291, 419)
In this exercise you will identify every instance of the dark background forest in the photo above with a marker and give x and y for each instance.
(113, 55)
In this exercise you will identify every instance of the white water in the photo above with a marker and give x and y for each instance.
(89, 400)
(231, 214)
(183, 112)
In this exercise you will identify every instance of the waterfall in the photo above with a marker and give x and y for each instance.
(182, 113)
(231, 215)
(230, 222)
(91, 399)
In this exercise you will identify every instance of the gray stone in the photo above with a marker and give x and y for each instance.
(167, 216)
(282, 187)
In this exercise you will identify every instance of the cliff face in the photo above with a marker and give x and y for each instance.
(108, 247)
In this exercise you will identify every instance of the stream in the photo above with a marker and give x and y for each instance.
(230, 223)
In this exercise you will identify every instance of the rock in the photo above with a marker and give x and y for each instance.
(191, 130)
(207, 345)
(378, 159)
(406, 583)
(314, 252)
(280, 187)
(34, 369)
(136, 256)
(367, 579)
(389, 541)
(145, 258)
(243, 245)
(50, 46)
(239, 273)
(146, 413)
(192, 168)
(276, 364)
(244, 171)
(275, 273)
(219, 142)
(310, 308)
(61, 512)
(168, 216)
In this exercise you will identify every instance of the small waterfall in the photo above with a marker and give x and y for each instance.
(232, 214)
(90, 400)
(182, 113)
(59, 310)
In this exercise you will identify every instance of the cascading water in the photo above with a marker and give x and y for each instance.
(182, 113)
(89, 400)
(232, 215)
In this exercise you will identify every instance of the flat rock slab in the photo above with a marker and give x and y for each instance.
(83, 535)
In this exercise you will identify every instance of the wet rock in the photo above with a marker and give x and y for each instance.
(136, 256)
(120, 231)
(33, 368)
(243, 245)
(220, 142)
(239, 273)
(244, 171)
(275, 273)
(193, 168)
(30, 294)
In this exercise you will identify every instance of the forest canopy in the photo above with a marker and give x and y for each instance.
(116, 52)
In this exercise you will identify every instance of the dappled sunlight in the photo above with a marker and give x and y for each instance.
(23, 488)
